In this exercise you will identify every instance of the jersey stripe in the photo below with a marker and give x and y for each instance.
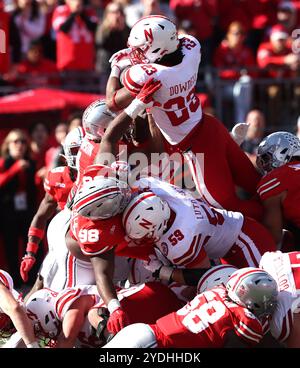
(130, 84)
(64, 299)
(181, 259)
(268, 189)
(267, 183)
(4, 280)
(243, 332)
(249, 249)
(199, 253)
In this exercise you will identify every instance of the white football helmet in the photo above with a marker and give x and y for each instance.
(146, 217)
(40, 309)
(96, 118)
(151, 38)
(71, 145)
(215, 276)
(101, 198)
(276, 150)
(255, 289)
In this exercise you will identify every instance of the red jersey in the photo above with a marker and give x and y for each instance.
(100, 236)
(85, 156)
(204, 322)
(75, 49)
(284, 179)
(58, 184)
(266, 57)
(225, 57)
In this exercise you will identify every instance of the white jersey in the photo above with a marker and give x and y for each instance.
(196, 228)
(8, 282)
(180, 108)
(285, 269)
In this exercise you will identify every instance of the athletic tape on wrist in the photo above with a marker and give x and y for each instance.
(113, 305)
(135, 108)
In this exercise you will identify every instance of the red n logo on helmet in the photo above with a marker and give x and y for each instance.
(148, 34)
(146, 224)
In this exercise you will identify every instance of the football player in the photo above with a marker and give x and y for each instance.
(278, 156)
(285, 269)
(66, 317)
(250, 296)
(187, 231)
(57, 185)
(12, 312)
(156, 52)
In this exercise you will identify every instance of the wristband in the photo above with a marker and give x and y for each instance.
(165, 273)
(135, 108)
(34, 231)
(115, 72)
(113, 305)
(32, 247)
(33, 345)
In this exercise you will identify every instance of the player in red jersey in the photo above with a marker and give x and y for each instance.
(285, 269)
(58, 184)
(12, 312)
(157, 52)
(250, 295)
(278, 156)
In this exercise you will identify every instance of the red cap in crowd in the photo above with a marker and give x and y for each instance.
(278, 32)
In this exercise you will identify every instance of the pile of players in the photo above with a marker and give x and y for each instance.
(136, 261)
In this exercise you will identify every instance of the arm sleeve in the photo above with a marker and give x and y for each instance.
(7, 175)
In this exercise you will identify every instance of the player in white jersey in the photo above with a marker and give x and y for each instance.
(192, 231)
(285, 269)
(156, 52)
(66, 316)
(12, 311)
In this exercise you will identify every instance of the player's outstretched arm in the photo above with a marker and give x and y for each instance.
(18, 315)
(36, 233)
(272, 218)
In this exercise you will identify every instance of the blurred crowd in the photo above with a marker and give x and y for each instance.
(244, 39)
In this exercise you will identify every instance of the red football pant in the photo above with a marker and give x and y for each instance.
(254, 240)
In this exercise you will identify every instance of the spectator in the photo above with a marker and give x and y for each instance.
(75, 120)
(35, 68)
(53, 156)
(4, 53)
(255, 133)
(234, 58)
(75, 27)
(17, 197)
(111, 36)
(30, 22)
(144, 8)
(287, 16)
(49, 38)
(202, 16)
(277, 60)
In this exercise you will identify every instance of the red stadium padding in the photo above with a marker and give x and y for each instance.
(39, 100)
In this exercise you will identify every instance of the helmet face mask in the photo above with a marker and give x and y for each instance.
(151, 38)
(276, 150)
(254, 289)
(71, 146)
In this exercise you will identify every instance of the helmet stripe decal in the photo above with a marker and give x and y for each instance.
(89, 198)
(242, 276)
(4, 280)
(215, 269)
(145, 196)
